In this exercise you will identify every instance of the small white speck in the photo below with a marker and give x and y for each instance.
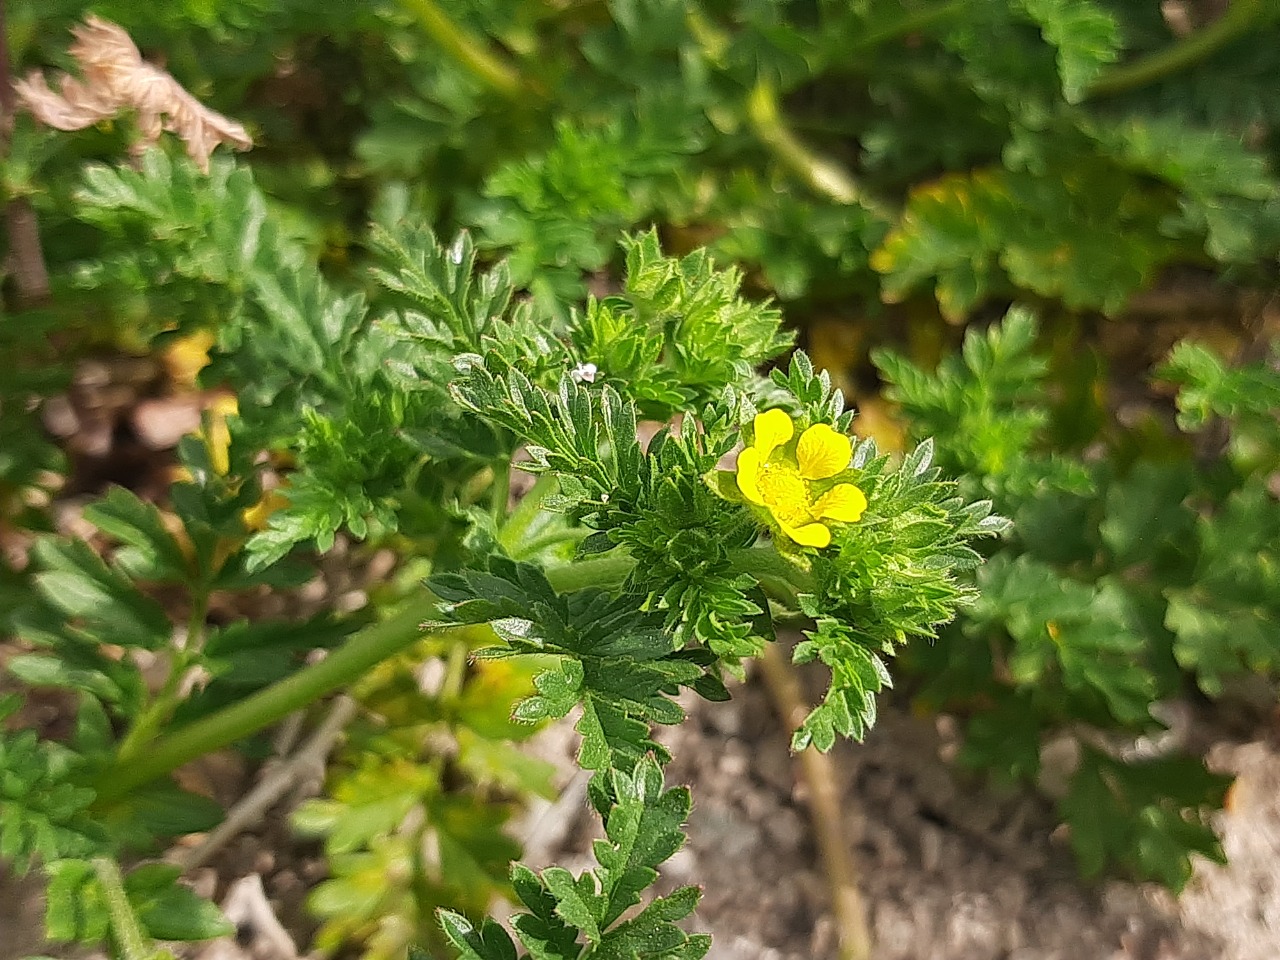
(604, 498)
(584, 373)
(455, 252)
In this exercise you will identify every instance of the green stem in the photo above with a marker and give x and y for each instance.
(531, 548)
(160, 710)
(526, 511)
(765, 564)
(455, 673)
(605, 571)
(826, 810)
(133, 943)
(469, 51)
(910, 22)
(822, 175)
(500, 492)
(1240, 17)
(30, 272)
(363, 650)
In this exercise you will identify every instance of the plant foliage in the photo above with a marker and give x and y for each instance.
(371, 388)
(1127, 576)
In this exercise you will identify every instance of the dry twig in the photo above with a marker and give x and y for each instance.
(818, 771)
(116, 78)
(308, 761)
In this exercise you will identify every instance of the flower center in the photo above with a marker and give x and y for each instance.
(785, 493)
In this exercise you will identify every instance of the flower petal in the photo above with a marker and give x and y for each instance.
(810, 535)
(843, 502)
(773, 428)
(749, 461)
(822, 452)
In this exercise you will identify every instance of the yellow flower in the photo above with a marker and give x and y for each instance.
(770, 476)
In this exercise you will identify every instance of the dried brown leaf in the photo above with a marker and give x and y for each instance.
(116, 78)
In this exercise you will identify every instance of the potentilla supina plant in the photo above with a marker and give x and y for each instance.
(786, 477)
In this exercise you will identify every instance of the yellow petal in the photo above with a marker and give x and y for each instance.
(843, 502)
(749, 475)
(810, 535)
(773, 428)
(219, 439)
(256, 517)
(822, 452)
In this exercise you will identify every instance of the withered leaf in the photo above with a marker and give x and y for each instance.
(116, 78)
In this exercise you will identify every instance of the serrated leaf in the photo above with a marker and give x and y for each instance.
(75, 908)
(124, 516)
(1085, 36)
(78, 583)
(490, 942)
(578, 902)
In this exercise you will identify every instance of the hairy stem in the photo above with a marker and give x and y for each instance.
(133, 943)
(1240, 17)
(363, 650)
(610, 570)
(766, 564)
(825, 810)
(467, 50)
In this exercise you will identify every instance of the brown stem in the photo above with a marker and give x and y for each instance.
(30, 275)
(819, 774)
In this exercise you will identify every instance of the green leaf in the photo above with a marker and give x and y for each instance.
(642, 829)
(1149, 816)
(43, 812)
(1147, 514)
(124, 516)
(75, 907)
(616, 659)
(78, 583)
(167, 910)
(848, 709)
(460, 307)
(1005, 739)
(1052, 232)
(490, 942)
(93, 677)
(1086, 37)
(578, 902)
(161, 811)
(1091, 633)
(543, 932)
(653, 932)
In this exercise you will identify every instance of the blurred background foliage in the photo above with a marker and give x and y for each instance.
(892, 173)
(849, 154)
